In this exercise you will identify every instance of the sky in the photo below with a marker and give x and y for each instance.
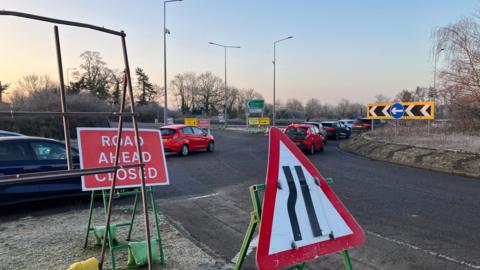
(341, 49)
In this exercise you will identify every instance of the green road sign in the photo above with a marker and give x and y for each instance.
(255, 105)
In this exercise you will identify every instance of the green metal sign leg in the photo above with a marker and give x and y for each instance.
(90, 213)
(246, 241)
(346, 260)
(132, 220)
(254, 220)
(157, 225)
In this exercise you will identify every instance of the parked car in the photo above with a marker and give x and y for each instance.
(336, 130)
(4, 133)
(321, 128)
(307, 137)
(365, 124)
(183, 139)
(347, 122)
(24, 154)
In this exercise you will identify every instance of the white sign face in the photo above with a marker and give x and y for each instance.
(303, 215)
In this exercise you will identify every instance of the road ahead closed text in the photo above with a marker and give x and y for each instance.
(97, 149)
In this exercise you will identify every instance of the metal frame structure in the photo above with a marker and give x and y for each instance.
(255, 217)
(127, 87)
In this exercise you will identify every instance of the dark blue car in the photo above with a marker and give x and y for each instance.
(23, 154)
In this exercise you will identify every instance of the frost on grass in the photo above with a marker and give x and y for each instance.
(439, 138)
(56, 241)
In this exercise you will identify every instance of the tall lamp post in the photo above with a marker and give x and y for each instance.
(274, 60)
(225, 47)
(165, 32)
(434, 92)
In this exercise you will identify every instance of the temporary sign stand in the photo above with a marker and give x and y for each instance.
(255, 217)
(301, 218)
(112, 241)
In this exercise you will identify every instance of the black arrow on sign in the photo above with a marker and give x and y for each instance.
(291, 201)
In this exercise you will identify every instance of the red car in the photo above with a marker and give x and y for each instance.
(306, 137)
(182, 139)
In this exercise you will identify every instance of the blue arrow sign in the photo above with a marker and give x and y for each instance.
(397, 110)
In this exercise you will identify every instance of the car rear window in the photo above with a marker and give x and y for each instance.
(296, 132)
(167, 131)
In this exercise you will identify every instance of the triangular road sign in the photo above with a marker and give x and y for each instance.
(302, 218)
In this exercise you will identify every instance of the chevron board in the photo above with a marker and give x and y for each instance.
(421, 110)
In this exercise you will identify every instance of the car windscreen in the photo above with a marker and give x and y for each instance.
(327, 124)
(296, 133)
(167, 131)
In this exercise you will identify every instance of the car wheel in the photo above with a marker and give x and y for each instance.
(211, 146)
(312, 149)
(184, 150)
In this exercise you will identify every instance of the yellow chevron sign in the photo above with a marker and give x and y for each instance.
(419, 110)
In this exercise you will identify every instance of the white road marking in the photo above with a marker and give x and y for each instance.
(202, 197)
(429, 252)
(253, 245)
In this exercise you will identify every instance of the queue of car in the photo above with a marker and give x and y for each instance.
(20, 154)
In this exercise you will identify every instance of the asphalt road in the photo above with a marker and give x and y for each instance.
(413, 218)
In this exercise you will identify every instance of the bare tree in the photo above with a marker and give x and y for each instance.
(33, 82)
(313, 108)
(210, 93)
(3, 89)
(381, 98)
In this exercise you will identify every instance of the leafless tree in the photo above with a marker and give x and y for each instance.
(3, 89)
(313, 108)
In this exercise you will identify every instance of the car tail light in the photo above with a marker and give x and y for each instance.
(357, 125)
(331, 129)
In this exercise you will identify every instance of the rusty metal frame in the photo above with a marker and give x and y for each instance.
(127, 85)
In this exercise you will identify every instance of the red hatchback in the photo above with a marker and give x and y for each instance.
(306, 137)
(182, 139)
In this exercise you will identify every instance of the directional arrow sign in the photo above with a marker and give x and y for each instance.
(302, 219)
(419, 110)
(402, 110)
(397, 110)
(379, 111)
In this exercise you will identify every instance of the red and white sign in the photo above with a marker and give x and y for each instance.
(203, 123)
(97, 149)
(302, 218)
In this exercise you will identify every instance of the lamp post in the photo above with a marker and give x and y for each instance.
(434, 92)
(68, 74)
(274, 60)
(165, 32)
(225, 47)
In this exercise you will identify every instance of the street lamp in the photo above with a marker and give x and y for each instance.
(433, 93)
(437, 52)
(165, 32)
(68, 74)
(274, 58)
(225, 87)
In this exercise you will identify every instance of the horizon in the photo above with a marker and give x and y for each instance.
(322, 61)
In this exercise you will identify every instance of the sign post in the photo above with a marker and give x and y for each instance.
(97, 148)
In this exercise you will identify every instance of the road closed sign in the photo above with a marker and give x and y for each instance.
(97, 149)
